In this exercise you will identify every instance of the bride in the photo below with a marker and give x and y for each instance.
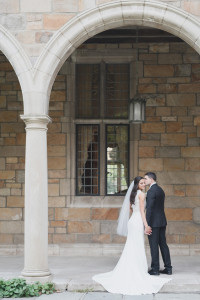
(130, 275)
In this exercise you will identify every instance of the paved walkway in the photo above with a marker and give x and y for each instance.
(75, 273)
(108, 296)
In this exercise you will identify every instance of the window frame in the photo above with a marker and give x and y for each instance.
(100, 87)
(103, 65)
(128, 175)
(76, 160)
(96, 56)
(104, 91)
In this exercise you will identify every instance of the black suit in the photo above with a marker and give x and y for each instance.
(156, 219)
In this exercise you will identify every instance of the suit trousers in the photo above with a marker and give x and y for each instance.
(158, 239)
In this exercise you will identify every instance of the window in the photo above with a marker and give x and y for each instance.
(102, 149)
(117, 159)
(87, 91)
(87, 146)
(102, 91)
(117, 91)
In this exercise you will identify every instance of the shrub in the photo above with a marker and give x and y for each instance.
(18, 288)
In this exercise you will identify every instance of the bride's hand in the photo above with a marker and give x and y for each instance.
(148, 230)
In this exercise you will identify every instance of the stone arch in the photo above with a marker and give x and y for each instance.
(17, 58)
(116, 14)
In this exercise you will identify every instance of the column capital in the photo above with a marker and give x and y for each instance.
(36, 122)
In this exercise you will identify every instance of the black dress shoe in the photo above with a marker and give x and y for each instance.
(153, 272)
(166, 271)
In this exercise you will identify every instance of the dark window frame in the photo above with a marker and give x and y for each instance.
(104, 92)
(103, 66)
(99, 89)
(82, 121)
(128, 146)
(99, 166)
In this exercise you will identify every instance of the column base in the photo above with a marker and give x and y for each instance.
(36, 275)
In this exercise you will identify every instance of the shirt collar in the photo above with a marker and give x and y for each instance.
(152, 184)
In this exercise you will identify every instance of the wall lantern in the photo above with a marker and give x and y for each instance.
(138, 103)
(137, 109)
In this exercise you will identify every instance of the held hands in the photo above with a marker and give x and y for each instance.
(148, 230)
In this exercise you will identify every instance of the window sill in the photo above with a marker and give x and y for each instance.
(96, 201)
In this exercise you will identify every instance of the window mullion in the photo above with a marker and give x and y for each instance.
(87, 153)
(102, 129)
(102, 89)
(102, 157)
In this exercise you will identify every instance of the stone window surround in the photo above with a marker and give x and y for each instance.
(91, 56)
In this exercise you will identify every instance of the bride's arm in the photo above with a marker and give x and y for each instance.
(142, 201)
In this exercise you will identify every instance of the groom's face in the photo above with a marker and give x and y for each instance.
(147, 180)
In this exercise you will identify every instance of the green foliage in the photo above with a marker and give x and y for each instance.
(18, 288)
(84, 290)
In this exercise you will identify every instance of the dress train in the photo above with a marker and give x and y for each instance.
(130, 275)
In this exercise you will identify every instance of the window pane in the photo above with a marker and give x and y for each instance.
(87, 90)
(117, 159)
(117, 91)
(87, 157)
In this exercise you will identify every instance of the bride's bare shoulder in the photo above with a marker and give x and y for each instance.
(141, 195)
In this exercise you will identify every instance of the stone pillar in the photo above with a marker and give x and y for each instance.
(36, 199)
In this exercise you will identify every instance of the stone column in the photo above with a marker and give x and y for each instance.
(36, 199)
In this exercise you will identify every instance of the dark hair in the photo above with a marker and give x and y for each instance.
(151, 175)
(135, 189)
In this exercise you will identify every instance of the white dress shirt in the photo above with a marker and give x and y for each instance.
(152, 184)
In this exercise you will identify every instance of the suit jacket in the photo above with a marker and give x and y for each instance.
(155, 213)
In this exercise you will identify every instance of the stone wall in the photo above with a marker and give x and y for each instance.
(12, 150)
(169, 144)
(34, 22)
(170, 139)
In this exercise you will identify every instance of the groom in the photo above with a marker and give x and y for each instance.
(156, 219)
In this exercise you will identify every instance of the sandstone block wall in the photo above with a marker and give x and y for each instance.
(12, 151)
(169, 144)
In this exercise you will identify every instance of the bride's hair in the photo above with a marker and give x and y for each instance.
(135, 189)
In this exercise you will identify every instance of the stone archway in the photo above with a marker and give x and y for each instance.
(17, 58)
(21, 64)
(120, 13)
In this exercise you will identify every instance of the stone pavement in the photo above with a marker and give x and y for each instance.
(75, 273)
(108, 296)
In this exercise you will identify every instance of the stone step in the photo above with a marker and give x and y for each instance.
(88, 249)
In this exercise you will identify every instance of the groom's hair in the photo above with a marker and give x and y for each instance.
(151, 175)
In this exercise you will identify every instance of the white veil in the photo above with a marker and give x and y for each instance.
(122, 227)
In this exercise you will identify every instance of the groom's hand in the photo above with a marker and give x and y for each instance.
(148, 230)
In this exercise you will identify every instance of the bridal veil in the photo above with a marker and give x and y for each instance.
(122, 227)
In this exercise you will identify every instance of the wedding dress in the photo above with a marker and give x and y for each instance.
(130, 276)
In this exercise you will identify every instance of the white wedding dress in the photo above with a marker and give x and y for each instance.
(130, 276)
